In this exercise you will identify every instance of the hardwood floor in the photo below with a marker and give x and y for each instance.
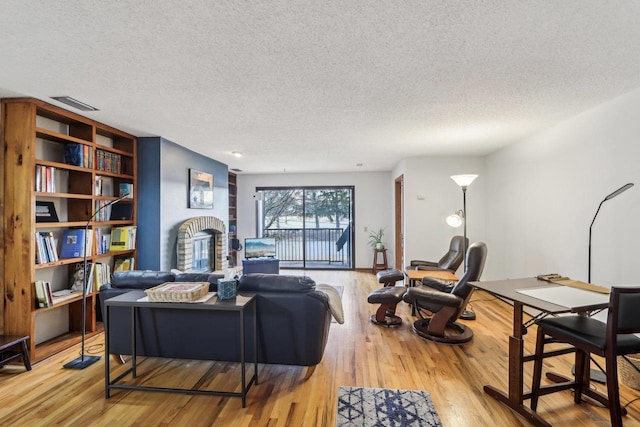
(358, 353)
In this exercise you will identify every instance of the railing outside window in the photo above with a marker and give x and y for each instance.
(320, 244)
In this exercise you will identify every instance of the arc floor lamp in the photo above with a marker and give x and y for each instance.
(86, 360)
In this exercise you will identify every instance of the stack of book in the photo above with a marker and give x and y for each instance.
(46, 247)
(46, 179)
(109, 162)
(102, 240)
(78, 155)
(45, 297)
(98, 274)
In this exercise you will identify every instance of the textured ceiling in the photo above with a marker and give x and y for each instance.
(318, 86)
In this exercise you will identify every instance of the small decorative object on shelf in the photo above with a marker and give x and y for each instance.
(46, 212)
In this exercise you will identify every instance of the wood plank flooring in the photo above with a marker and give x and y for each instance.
(358, 353)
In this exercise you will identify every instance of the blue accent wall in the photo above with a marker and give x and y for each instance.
(163, 198)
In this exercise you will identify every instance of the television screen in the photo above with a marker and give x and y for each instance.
(260, 247)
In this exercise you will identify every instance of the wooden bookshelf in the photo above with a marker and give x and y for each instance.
(34, 136)
(233, 220)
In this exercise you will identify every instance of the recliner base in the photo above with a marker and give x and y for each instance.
(454, 333)
(389, 320)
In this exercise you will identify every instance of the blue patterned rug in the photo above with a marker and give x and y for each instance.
(369, 407)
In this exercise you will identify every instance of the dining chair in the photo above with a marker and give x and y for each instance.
(591, 336)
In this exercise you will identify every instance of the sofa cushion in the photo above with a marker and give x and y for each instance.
(260, 282)
(140, 279)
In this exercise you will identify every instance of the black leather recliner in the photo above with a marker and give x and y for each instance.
(449, 261)
(446, 307)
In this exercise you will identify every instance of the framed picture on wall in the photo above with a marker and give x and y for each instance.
(200, 190)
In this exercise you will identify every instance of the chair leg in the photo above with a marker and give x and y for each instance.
(582, 366)
(613, 390)
(537, 370)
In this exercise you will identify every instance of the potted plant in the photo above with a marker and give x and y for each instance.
(375, 239)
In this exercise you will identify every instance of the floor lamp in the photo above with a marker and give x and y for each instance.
(609, 197)
(85, 360)
(464, 181)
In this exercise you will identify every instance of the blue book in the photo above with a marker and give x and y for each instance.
(72, 244)
(126, 190)
(73, 154)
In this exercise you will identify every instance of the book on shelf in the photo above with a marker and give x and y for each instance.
(101, 275)
(109, 162)
(63, 295)
(76, 277)
(41, 297)
(46, 250)
(123, 238)
(103, 214)
(126, 189)
(48, 293)
(46, 179)
(73, 154)
(124, 264)
(101, 241)
(87, 156)
(73, 243)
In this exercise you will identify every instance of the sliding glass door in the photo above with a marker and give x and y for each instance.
(312, 225)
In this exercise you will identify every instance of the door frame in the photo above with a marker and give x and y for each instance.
(399, 221)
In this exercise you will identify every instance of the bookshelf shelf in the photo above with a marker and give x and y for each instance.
(40, 142)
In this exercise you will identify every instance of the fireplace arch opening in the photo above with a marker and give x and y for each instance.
(190, 229)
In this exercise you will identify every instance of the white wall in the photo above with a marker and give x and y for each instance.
(430, 195)
(373, 207)
(542, 195)
(532, 203)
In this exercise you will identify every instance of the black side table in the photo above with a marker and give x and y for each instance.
(135, 300)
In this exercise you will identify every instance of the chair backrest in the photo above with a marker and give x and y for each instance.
(476, 256)
(453, 258)
(623, 312)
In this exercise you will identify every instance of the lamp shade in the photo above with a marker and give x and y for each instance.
(464, 180)
(455, 220)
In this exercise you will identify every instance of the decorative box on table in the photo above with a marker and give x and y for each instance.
(178, 291)
(227, 289)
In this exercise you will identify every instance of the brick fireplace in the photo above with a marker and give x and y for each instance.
(193, 226)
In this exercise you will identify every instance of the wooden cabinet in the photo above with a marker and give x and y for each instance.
(233, 220)
(40, 142)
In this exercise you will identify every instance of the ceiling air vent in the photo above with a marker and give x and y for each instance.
(74, 103)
